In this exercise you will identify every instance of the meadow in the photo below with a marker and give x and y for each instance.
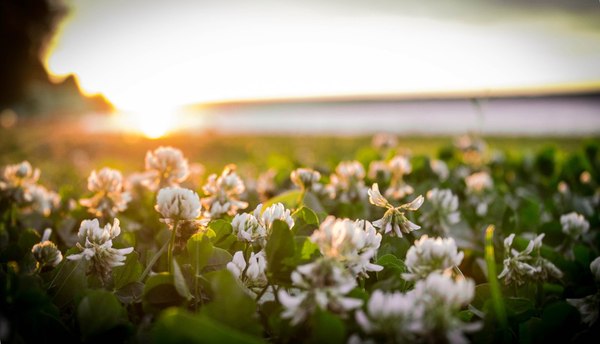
(217, 238)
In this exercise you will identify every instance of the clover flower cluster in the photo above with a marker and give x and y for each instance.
(399, 167)
(165, 167)
(19, 183)
(479, 185)
(96, 246)
(256, 227)
(322, 284)
(110, 197)
(429, 255)
(45, 252)
(352, 243)
(526, 265)
(347, 183)
(252, 273)
(444, 211)
(223, 193)
(428, 313)
(384, 141)
(394, 220)
(305, 178)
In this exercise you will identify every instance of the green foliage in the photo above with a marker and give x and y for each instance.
(178, 326)
(201, 301)
(230, 304)
(280, 250)
(100, 315)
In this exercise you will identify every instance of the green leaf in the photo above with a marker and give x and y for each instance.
(518, 305)
(289, 199)
(130, 293)
(128, 273)
(180, 282)
(218, 260)
(390, 278)
(231, 304)
(220, 228)
(280, 251)
(179, 326)
(326, 328)
(199, 250)
(100, 312)
(306, 250)
(305, 221)
(68, 281)
(223, 237)
(160, 292)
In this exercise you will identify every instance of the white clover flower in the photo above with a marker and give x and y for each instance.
(45, 252)
(379, 170)
(177, 204)
(353, 243)
(42, 200)
(323, 285)
(223, 193)
(394, 220)
(444, 212)
(588, 307)
(347, 183)
(478, 187)
(399, 166)
(19, 175)
(527, 265)
(428, 313)
(383, 141)
(97, 247)
(109, 197)
(304, 178)
(394, 315)
(17, 181)
(478, 182)
(275, 212)
(252, 273)
(440, 168)
(430, 255)
(574, 225)
(443, 297)
(165, 166)
(248, 229)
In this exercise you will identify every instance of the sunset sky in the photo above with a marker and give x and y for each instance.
(163, 54)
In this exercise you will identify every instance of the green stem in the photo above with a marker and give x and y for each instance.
(490, 260)
(172, 246)
(152, 262)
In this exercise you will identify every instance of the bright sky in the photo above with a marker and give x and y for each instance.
(161, 54)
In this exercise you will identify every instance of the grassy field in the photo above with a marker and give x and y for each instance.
(65, 151)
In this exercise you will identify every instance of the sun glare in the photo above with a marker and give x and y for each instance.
(151, 123)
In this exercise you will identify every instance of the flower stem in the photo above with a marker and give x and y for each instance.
(497, 302)
(172, 246)
(152, 262)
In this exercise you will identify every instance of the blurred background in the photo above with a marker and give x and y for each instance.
(81, 79)
(341, 66)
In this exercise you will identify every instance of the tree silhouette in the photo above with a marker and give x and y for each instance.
(26, 27)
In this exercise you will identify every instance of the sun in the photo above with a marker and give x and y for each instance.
(152, 123)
